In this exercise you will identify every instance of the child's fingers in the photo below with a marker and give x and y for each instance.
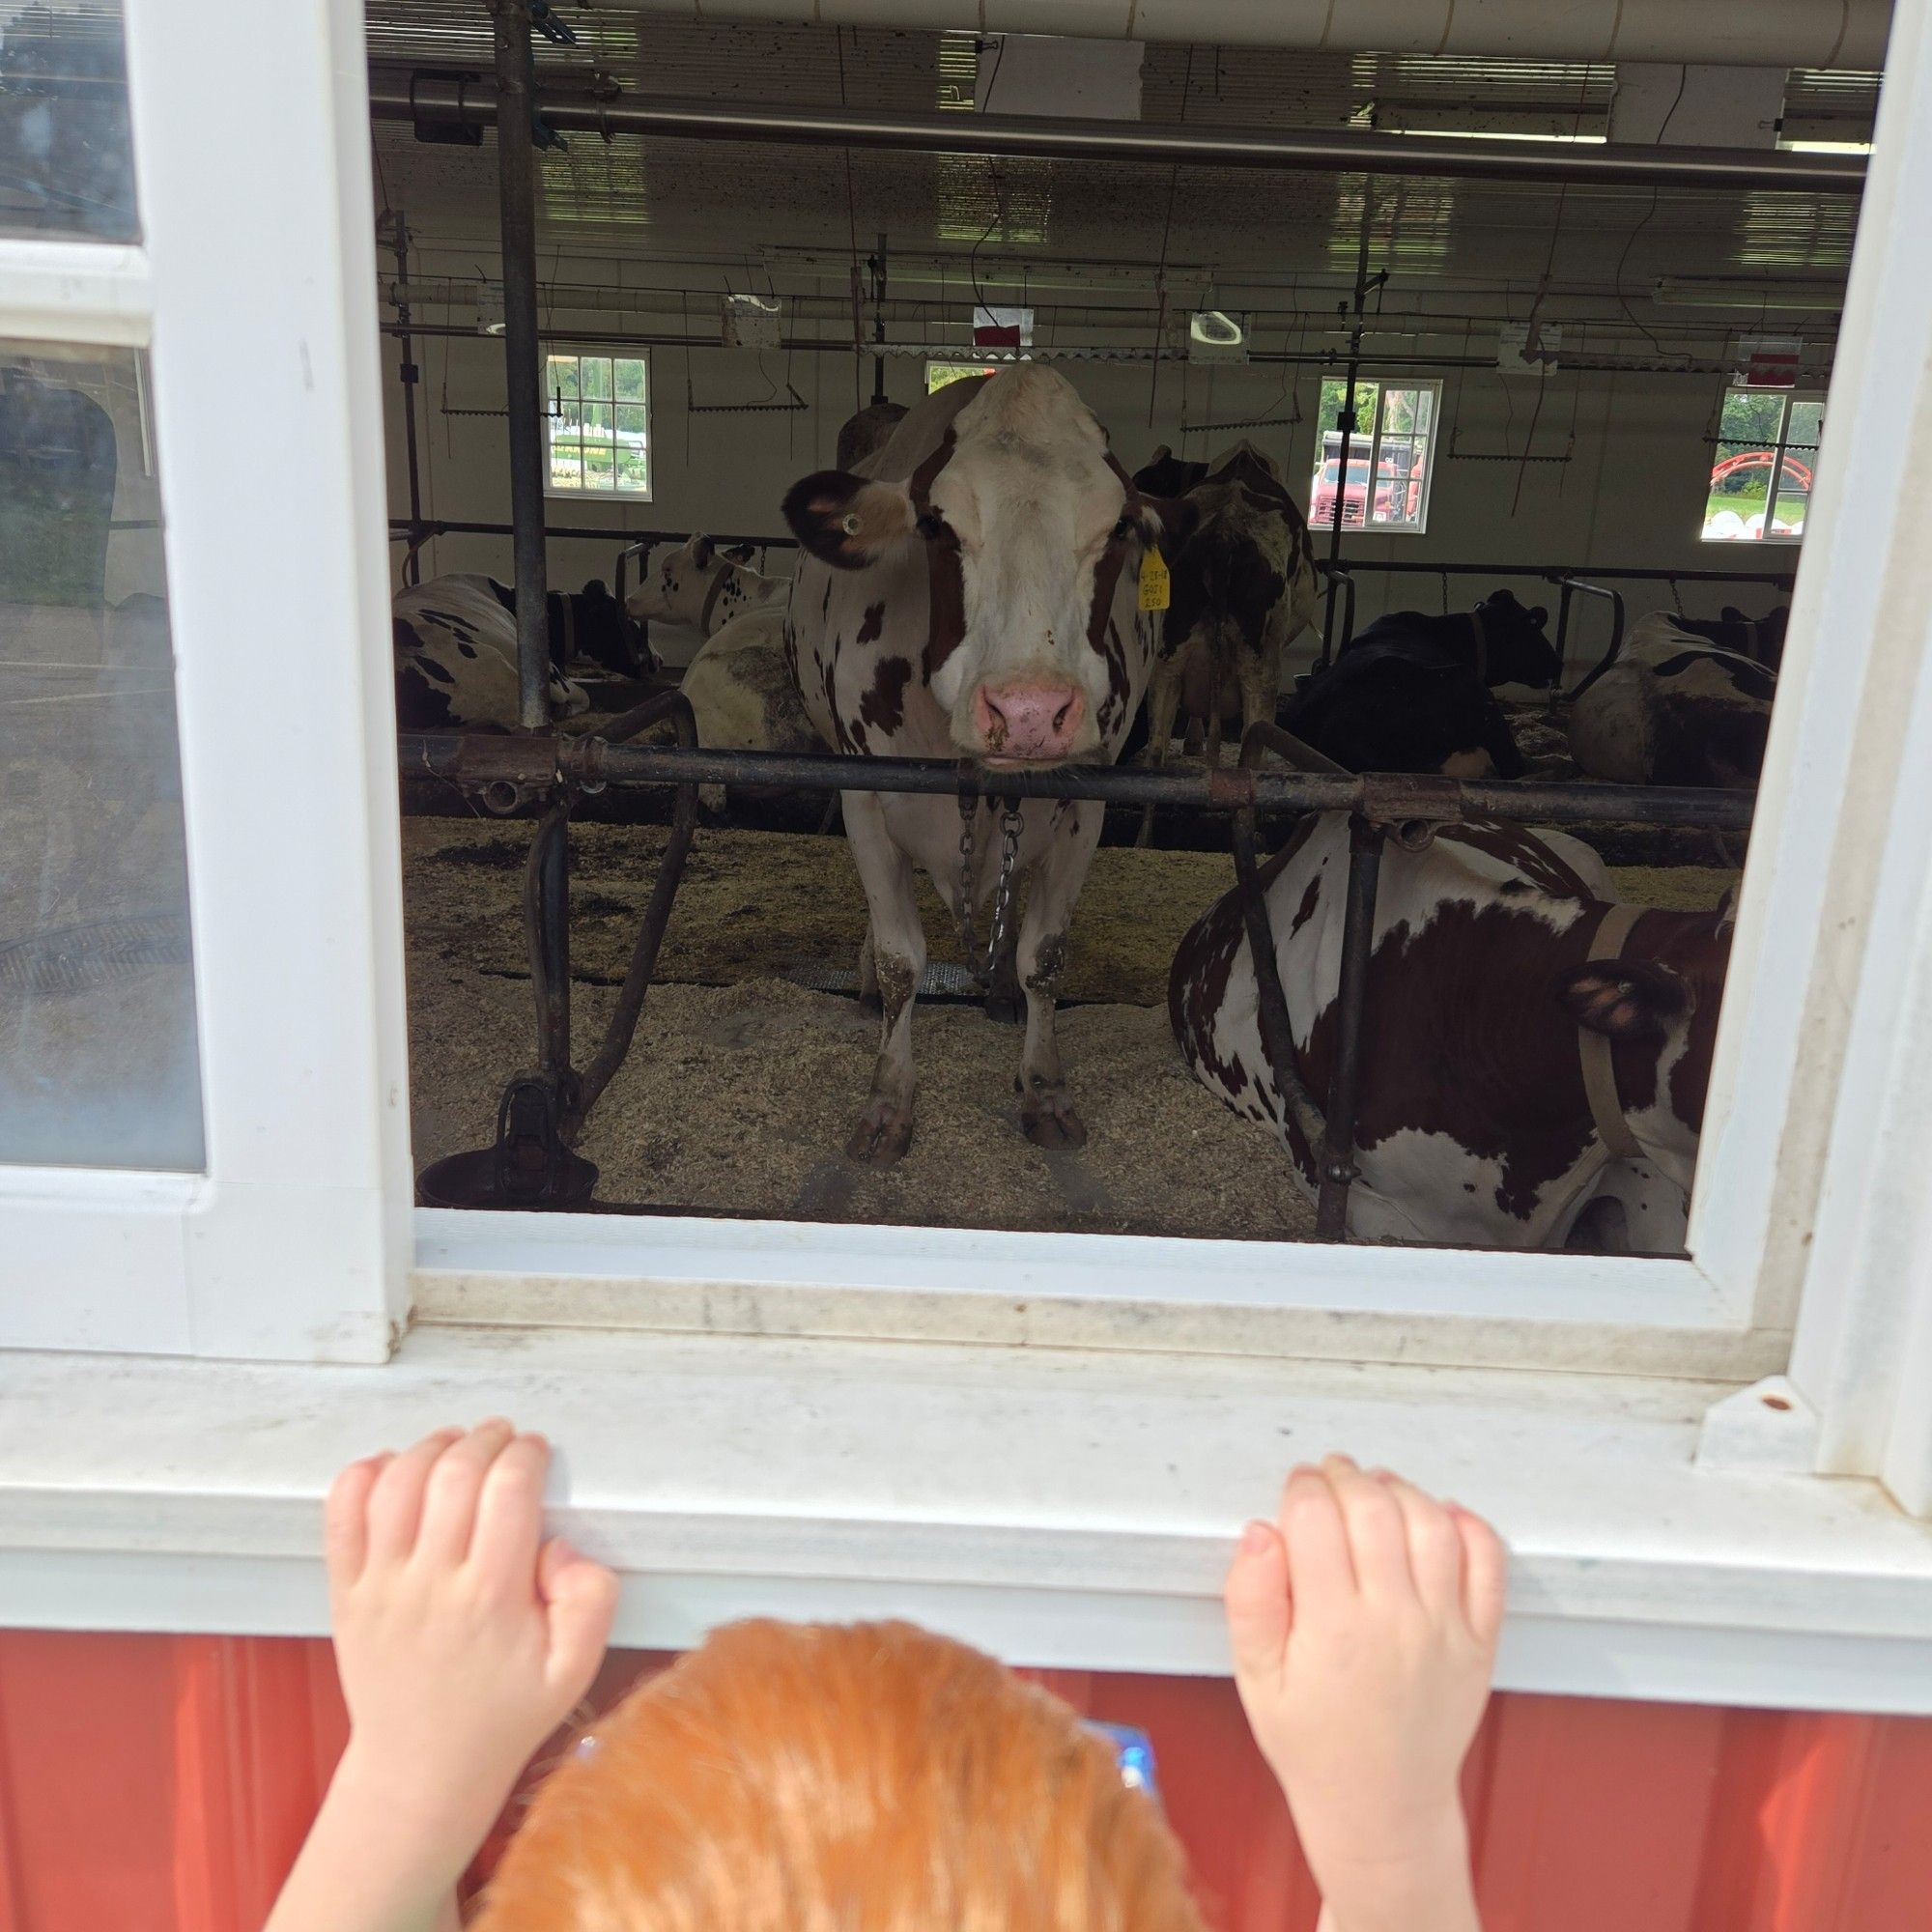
(1256, 1597)
(1435, 1544)
(1485, 1577)
(451, 1491)
(395, 1503)
(509, 1515)
(580, 1600)
(1378, 1541)
(1319, 1567)
(345, 1520)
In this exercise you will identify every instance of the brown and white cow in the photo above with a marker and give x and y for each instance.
(1674, 710)
(1243, 589)
(1476, 1123)
(971, 590)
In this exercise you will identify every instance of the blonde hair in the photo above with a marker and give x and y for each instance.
(872, 1777)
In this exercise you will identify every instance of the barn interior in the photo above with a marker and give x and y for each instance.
(1577, 340)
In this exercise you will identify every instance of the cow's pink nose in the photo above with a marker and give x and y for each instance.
(1027, 721)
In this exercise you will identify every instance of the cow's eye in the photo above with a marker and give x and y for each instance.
(1123, 530)
(932, 525)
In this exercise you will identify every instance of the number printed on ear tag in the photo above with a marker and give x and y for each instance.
(1155, 585)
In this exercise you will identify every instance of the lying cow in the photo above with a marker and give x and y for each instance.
(1477, 1123)
(971, 590)
(1761, 638)
(743, 694)
(1411, 693)
(1242, 588)
(1673, 710)
(456, 651)
(704, 584)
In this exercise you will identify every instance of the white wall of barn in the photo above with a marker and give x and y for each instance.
(1627, 489)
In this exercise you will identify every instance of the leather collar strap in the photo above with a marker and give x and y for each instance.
(1599, 1073)
(710, 604)
(1482, 640)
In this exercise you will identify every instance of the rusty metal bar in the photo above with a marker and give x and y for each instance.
(1335, 1164)
(547, 929)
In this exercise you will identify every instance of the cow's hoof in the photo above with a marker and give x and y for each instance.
(1005, 1009)
(883, 1134)
(1049, 1122)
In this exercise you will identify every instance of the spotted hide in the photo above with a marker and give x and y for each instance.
(1761, 638)
(705, 585)
(1411, 693)
(970, 591)
(1243, 589)
(1673, 710)
(1475, 1127)
(742, 692)
(456, 657)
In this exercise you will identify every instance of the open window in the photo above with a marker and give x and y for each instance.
(1390, 454)
(1765, 460)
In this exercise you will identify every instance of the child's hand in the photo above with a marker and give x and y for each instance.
(461, 1639)
(1364, 1629)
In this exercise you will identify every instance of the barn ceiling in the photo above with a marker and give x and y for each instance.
(1037, 217)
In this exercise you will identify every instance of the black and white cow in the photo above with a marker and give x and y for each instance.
(1477, 1123)
(1761, 638)
(971, 590)
(1411, 693)
(704, 584)
(1242, 589)
(1674, 710)
(456, 651)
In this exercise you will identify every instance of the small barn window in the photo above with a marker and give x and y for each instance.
(1766, 452)
(1392, 441)
(597, 426)
(939, 373)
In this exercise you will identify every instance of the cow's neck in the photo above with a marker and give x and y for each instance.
(711, 595)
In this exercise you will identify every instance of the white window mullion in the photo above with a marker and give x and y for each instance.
(88, 292)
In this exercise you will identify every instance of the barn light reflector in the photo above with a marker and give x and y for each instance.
(1213, 336)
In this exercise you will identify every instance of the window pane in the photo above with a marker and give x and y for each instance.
(98, 1063)
(631, 422)
(631, 379)
(597, 420)
(562, 377)
(633, 470)
(1746, 453)
(567, 464)
(600, 466)
(597, 377)
(66, 166)
(1322, 485)
(1805, 424)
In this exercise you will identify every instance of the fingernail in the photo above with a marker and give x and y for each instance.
(535, 1440)
(500, 1423)
(1256, 1535)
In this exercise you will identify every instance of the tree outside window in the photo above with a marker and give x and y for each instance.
(1393, 442)
(597, 425)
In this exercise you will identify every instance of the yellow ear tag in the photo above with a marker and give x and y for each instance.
(1155, 589)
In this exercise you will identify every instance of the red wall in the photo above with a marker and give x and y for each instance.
(162, 1784)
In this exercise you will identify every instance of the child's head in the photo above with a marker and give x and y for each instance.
(816, 1779)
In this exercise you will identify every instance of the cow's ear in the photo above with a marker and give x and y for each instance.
(741, 553)
(701, 550)
(1539, 615)
(1167, 521)
(847, 520)
(1622, 998)
(594, 593)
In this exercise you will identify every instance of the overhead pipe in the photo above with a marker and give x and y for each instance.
(431, 100)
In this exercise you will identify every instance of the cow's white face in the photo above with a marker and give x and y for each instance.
(1031, 542)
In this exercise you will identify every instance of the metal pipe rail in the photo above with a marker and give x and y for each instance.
(425, 98)
(1554, 573)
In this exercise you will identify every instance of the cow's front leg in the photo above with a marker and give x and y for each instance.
(1046, 1111)
(896, 943)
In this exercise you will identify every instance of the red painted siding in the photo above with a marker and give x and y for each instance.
(162, 1784)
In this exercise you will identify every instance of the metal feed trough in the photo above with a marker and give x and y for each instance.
(543, 1112)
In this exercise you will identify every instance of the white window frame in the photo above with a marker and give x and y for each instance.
(1372, 435)
(299, 1244)
(638, 352)
(1792, 398)
(294, 1243)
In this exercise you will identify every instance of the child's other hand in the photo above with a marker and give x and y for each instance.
(1364, 1625)
(463, 1638)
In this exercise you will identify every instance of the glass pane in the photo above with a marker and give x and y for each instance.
(1401, 468)
(1804, 425)
(632, 381)
(1746, 454)
(1321, 489)
(567, 464)
(633, 470)
(562, 377)
(98, 1062)
(597, 377)
(600, 466)
(631, 422)
(66, 166)
(597, 419)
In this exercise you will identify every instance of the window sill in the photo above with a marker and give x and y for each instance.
(1059, 1507)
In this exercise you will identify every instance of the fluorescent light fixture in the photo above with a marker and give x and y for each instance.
(1717, 292)
(1213, 336)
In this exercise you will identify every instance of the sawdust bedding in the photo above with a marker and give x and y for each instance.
(742, 1085)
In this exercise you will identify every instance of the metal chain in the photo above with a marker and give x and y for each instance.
(981, 964)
